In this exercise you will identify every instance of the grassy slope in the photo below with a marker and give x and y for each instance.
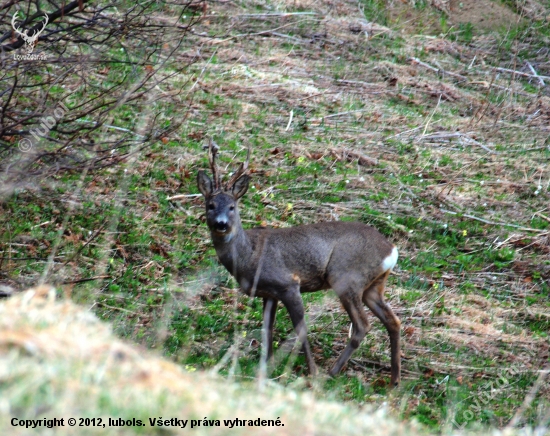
(457, 158)
(59, 361)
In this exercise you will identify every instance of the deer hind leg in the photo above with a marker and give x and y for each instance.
(295, 306)
(373, 297)
(360, 326)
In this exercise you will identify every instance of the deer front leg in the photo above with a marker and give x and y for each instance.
(295, 306)
(270, 311)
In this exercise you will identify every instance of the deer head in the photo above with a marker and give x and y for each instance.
(29, 39)
(222, 215)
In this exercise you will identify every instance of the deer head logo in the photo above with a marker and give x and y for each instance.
(29, 39)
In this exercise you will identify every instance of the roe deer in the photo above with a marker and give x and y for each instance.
(351, 258)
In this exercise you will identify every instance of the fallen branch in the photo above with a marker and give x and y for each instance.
(446, 135)
(344, 113)
(280, 14)
(542, 216)
(263, 32)
(436, 70)
(536, 75)
(520, 73)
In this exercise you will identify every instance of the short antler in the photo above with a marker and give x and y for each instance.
(213, 149)
(240, 171)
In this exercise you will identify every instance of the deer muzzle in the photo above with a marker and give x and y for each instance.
(221, 225)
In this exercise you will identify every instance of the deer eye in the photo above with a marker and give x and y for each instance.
(211, 206)
(231, 207)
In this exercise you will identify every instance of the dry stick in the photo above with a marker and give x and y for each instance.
(319, 95)
(87, 279)
(431, 115)
(177, 197)
(402, 133)
(292, 38)
(262, 32)
(436, 70)
(493, 223)
(520, 73)
(99, 303)
(282, 14)
(356, 82)
(504, 88)
(542, 216)
(289, 120)
(202, 71)
(443, 135)
(536, 75)
(344, 113)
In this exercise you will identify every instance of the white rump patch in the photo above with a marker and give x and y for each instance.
(390, 261)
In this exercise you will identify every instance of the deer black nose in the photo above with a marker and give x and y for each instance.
(221, 225)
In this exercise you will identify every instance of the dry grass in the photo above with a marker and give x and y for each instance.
(59, 361)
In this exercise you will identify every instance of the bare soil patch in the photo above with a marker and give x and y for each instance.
(483, 14)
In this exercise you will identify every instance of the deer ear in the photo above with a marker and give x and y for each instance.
(204, 183)
(240, 186)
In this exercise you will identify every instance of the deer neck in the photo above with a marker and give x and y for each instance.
(233, 249)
